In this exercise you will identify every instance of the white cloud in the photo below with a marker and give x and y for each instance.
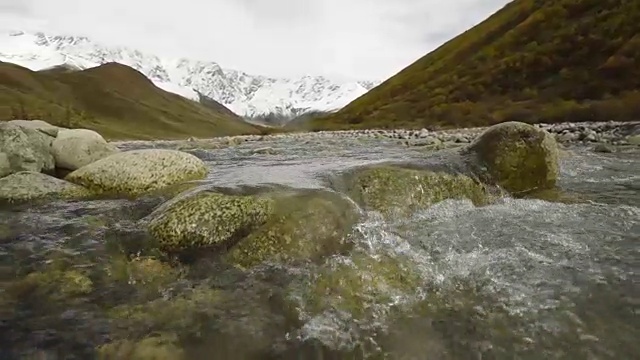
(364, 39)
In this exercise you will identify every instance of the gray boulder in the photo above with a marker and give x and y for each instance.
(27, 149)
(136, 172)
(75, 148)
(39, 125)
(28, 186)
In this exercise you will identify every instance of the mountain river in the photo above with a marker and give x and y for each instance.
(517, 279)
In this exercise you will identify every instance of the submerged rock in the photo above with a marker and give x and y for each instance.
(156, 347)
(136, 172)
(603, 148)
(52, 284)
(75, 148)
(148, 275)
(183, 315)
(207, 219)
(27, 149)
(304, 226)
(634, 140)
(28, 186)
(358, 286)
(394, 190)
(516, 156)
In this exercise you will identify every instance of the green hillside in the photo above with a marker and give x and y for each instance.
(533, 61)
(113, 99)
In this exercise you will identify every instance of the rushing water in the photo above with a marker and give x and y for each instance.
(518, 279)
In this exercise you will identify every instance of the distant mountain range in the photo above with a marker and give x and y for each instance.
(244, 94)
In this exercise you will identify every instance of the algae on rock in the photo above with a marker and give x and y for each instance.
(29, 186)
(185, 315)
(207, 219)
(157, 347)
(303, 226)
(395, 190)
(136, 172)
(52, 284)
(148, 275)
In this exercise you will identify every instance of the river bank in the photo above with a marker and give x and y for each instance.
(614, 133)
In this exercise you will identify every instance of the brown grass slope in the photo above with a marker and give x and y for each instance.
(113, 99)
(533, 61)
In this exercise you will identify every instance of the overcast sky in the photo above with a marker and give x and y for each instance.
(358, 39)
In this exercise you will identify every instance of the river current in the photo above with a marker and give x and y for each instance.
(517, 279)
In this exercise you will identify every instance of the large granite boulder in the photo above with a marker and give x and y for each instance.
(136, 172)
(75, 148)
(28, 186)
(26, 149)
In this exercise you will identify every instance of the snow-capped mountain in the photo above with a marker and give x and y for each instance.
(245, 94)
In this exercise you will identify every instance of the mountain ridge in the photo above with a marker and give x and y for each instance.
(114, 99)
(531, 61)
(245, 94)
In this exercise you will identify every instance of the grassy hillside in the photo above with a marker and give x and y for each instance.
(533, 61)
(113, 99)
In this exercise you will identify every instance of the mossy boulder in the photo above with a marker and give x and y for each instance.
(516, 156)
(303, 226)
(393, 190)
(207, 219)
(31, 186)
(136, 172)
(75, 148)
(26, 149)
